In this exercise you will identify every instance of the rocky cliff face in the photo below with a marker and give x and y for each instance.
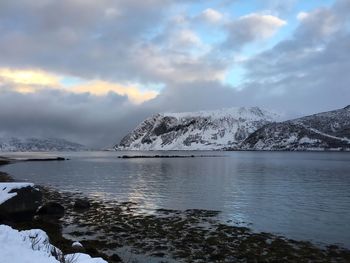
(203, 130)
(322, 131)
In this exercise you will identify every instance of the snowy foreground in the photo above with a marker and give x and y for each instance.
(33, 246)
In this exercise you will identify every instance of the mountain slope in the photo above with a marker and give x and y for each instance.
(322, 131)
(38, 145)
(203, 130)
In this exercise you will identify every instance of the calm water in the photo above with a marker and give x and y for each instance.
(305, 196)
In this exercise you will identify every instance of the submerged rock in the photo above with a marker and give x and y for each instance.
(81, 204)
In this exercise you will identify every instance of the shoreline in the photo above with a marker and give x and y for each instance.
(116, 231)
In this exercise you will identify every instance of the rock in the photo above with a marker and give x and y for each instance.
(51, 209)
(22, 206)
(77, 244)
(115, 258)
(4, 161)
(78, 247)
(82, 204)
(4, 177)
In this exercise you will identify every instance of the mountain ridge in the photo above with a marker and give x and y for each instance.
(321, 131)
(201, 130)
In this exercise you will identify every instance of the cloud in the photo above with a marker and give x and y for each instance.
(29, 77)
(302, 15)
(278, 7)
(308, 71)
(186, 37)
(212, 15)
(100, 88)
(119, 49)
(81, 117)
(89, 39)
(250, 28)
(30, 81)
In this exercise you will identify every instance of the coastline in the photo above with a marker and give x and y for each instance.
(166, 235)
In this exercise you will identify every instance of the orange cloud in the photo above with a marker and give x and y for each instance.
(98, 87)
(29, 77)
(28, 81)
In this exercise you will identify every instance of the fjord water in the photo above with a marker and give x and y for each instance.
(305, 196)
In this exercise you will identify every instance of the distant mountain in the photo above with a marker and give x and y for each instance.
(203, 130)
(322, 131)
(38, 145)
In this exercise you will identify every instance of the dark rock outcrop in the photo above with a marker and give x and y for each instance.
(22, 206)
(51, 209)
(81, 204)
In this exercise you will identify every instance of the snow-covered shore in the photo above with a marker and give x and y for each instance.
(33, 246)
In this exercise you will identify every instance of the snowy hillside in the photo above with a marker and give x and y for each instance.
(322, 131)
(37, 145)
(203, 130)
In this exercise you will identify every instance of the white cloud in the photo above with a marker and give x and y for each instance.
(252, 27)
(211, 15)
(302, 15)
(261, 26)
(186, 37)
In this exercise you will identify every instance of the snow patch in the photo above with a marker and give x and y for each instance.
(33, 246)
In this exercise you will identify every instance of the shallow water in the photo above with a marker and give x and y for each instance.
(305, 196)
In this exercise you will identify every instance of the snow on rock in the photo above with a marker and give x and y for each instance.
(203, 130)
(77, 244)
(33, 246)
(24, 246)
(323, 131)
(6, 188)
(84, 258)
(12, 144)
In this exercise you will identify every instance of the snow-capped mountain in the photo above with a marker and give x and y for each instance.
(37, 145)
(322, 131)
(203, 130)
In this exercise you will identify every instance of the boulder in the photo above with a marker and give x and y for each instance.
(51, 209)
(115, 258)
(81, 204)
(78, 247)
(23, 205)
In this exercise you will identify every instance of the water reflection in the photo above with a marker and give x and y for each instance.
(302, 195)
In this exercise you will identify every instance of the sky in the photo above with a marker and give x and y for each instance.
(90, 70)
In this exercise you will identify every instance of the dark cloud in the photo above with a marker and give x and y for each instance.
(91, 120)
(109, 39)
(126, 41)
(85, 38)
